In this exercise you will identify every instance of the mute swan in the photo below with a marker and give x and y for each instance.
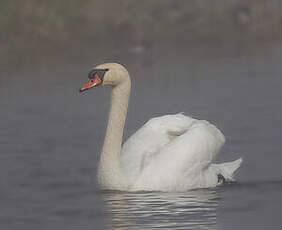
(169, 153)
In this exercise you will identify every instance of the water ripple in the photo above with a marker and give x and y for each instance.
(154, 210)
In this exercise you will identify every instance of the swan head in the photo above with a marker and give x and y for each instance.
(106, 74)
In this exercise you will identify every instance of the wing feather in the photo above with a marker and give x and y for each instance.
(138, 150)
(187, 156)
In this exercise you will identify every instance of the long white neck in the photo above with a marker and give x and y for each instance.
(110, 172)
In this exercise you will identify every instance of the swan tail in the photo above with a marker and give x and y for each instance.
(226, 170)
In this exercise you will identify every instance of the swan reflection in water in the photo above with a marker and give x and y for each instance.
(149, 210)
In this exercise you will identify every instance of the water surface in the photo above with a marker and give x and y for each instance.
(50, 139)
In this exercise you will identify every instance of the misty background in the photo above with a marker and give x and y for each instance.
(214, 60)
(36, 34)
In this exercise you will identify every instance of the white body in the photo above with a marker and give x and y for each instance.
(169, 153)
(174, 153)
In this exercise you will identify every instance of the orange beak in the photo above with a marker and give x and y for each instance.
(91, 83)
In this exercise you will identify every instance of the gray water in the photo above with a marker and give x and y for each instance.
(50, 139)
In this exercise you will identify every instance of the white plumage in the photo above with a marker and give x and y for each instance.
(169, 153)
(175, 153)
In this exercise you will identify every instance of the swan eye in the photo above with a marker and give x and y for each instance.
(99, 72)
